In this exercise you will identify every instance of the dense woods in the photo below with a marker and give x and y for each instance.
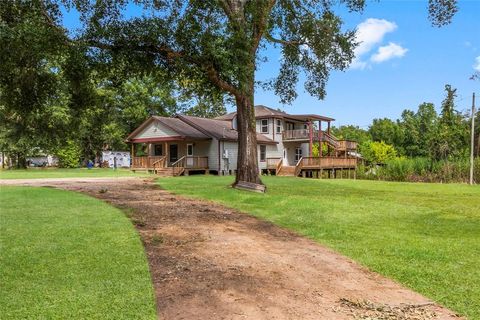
(423, 145)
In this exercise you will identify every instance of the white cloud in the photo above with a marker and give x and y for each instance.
(476, 65)
(369, 34)
(390, 51)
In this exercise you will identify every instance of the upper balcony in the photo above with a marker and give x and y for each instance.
(304, 135)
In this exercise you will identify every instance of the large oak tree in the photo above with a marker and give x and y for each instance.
(218, 44)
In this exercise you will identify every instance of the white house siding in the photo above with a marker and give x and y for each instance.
(231, 162)
(213, 155)
(210, 149)
(273, 151)
(156, 130)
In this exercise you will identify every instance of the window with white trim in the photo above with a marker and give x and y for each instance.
(298, 153)
(264, 126)
(279, 126)
(263, 152)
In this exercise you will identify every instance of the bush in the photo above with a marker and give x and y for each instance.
(69, 155)
(421, 170)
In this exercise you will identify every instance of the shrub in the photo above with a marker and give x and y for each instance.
(421, 170)
(69, 155)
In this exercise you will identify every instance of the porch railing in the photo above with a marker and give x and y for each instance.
(148, 162)
(196, 162)
(189, 162)
(272, 163)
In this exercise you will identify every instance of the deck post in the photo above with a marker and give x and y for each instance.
(320, 144)
(310, 136)
(321, 173)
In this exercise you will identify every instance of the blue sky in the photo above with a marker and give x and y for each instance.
(402, 62)
(430, 58)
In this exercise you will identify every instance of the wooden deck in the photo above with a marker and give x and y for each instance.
(159, 164)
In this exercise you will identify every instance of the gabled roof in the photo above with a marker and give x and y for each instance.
(181, 128)
(219, 129)
(197, 128)
(262, 112)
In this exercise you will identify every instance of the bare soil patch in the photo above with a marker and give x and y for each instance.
(212, 262)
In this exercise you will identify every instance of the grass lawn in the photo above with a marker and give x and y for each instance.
(64, 255)
(426, 236)
(66, 173)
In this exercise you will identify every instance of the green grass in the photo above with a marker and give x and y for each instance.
(66, 173)
(426, 236)
(64, 255)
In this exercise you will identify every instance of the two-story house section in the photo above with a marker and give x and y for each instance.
(286, 144)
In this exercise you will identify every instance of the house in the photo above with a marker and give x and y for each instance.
(185, 144)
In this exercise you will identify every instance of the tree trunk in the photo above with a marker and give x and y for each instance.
(247, 161)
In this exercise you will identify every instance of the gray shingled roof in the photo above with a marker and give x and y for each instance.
(262, 111)
(219, 129)
(182, 128)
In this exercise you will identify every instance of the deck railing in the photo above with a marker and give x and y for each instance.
(148, 162)
(272, 163)
(327, 162)
(347, 145)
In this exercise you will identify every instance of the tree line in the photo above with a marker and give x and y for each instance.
(422, 141)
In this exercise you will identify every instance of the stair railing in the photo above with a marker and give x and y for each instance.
(160, 163)
(279, 167)
(298, 166)
(178, 166)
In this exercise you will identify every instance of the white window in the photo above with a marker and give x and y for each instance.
(279, 126)
(263, 152)
(298, 153)
(264, 126)
(189, 149)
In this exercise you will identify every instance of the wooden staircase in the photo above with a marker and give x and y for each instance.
(287, 171)
(164, 171)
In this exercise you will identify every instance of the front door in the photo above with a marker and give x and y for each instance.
(173, 153)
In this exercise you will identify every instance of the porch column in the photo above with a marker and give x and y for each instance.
(310, 134)
(165, 153)
(320, 144)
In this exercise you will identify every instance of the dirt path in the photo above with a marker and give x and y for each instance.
(211, 262)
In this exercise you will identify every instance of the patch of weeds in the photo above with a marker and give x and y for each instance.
(139, 221)
(103, 190)
(157, 239)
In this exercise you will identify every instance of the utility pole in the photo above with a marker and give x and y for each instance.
(472, 138)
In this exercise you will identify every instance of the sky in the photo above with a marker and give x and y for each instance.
(401, 62)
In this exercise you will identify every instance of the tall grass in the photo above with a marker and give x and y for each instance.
(421, 170)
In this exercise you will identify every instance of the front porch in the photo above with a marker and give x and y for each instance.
(172, 158)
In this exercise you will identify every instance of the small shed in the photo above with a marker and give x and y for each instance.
(121, 158)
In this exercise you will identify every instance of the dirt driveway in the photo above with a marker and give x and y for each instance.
(211, 262)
